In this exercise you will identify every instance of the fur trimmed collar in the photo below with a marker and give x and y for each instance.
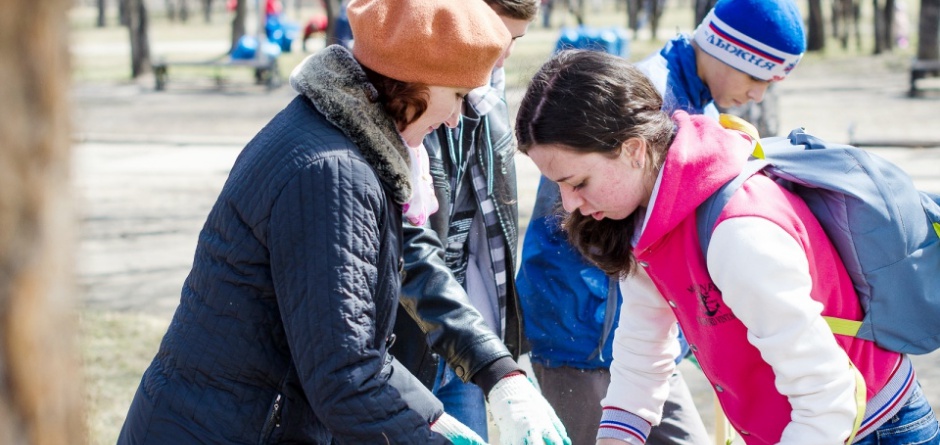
(336, 84)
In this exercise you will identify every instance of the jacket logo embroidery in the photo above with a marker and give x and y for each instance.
(710, 297)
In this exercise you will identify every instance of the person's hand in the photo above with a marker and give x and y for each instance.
(607, 441)
(523, 416)
(456, 432)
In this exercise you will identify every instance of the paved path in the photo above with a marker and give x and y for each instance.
(149, 165)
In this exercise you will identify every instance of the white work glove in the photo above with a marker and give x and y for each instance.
(456, 432)
(523, 416)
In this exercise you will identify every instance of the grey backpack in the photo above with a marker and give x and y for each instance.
(885, 230)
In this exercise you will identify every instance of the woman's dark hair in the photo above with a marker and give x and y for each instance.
(593, 102)
(405, 102)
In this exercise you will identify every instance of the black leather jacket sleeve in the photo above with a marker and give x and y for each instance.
(440, 306)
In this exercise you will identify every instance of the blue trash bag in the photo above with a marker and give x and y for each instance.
(613, 40)
(247, 46)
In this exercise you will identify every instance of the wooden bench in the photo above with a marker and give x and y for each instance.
(921, 69)
(266, 69)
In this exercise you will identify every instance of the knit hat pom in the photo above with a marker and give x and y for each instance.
(435, 42)
(762, 38)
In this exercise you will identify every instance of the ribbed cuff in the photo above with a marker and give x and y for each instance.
(493, 372)
(623, 425)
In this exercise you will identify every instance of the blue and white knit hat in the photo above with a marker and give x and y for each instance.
(763, 38)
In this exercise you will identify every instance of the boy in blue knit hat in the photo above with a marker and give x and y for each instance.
(570, 307)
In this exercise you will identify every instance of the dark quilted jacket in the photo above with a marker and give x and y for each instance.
(283, 325)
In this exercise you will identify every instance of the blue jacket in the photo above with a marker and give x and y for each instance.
(570, 308)
(285, 320)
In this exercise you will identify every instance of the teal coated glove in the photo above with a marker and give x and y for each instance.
(456, 432)
(523, 416)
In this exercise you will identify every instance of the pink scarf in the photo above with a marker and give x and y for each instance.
(423, 203)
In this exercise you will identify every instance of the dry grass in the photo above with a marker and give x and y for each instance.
(116, 349)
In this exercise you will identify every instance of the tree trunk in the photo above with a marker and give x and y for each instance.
(842, 13)
(124, 12)
(701, 9)
(577, 9)
(888, 28)
(655, 12)
(816, 34)
(928, 30)
(879, 25)
(238, 23)
(331, 7)
(40, 382)
(207, 10)
(102, 17)
(170, 10)
(140, 41)
(633, 16)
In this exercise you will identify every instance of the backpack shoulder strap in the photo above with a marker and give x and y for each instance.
(707, 213)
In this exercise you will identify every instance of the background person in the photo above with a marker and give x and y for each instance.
(752, 306)
(285, 319)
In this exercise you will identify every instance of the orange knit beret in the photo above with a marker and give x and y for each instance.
(450, 43)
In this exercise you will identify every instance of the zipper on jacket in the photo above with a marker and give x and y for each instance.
(273, 420)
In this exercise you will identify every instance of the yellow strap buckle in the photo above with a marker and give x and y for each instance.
(733, 122)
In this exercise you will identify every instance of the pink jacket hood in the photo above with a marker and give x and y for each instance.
(704, 154)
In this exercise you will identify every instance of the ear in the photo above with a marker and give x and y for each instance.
(634, 149)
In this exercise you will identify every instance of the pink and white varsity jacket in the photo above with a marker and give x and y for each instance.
(751, 310)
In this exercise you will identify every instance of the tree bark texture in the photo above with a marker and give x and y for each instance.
(207, 11)
(102, 14)
(845, 22)
(879, 26)
(140, 38)
(238, 23)
(928, 30)
(701, 10)
(40, 381)
(816, 32)
(331, 8)
(633, 16)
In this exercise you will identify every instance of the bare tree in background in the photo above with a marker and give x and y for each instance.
(177, 9)
(701, 10)
(576, 8)
(845, 22)
(650, 10)
(102, 14)
(816, 27)
(928, 30)
(654, 11)
(884, 25)
(207, 11)
(123, 12)
(238, 23)
(137, 25)
(633, 16)
(40, 381)
(331, 7)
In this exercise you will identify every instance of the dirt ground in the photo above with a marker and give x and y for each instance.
(148, 166)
